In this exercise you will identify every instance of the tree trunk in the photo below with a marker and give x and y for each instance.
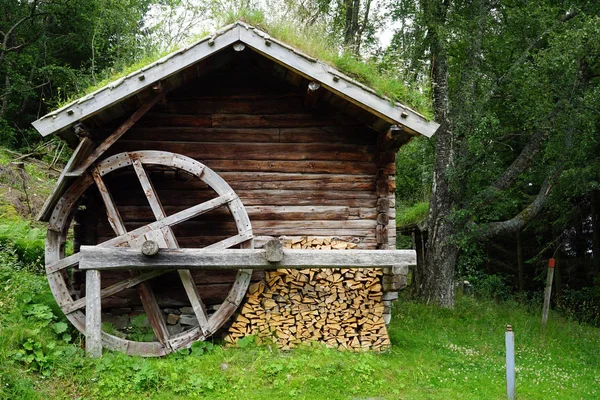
(351, 28)
(520, 267)
(595, 232)
(437, 285)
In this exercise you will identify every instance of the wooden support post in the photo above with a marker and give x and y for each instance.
(548, 291)
(93, 314)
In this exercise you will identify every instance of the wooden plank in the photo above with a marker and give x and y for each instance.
(71, 306)
(313, 166)
(93, 314)
(169, 240)
(171, 220)
(355, 135)
(153, 311)
(149, 191)
(256, 151)
(124, 87)
(218, 135)
(214, 227)
(277, 195)
(112, 212)
(259, 213)
(113, 289)
(282, 104)
(120, 131)
(342, 85)
(161, 119)
(122, 258)
(83, 149)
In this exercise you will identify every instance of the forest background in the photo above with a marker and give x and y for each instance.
(510, 179)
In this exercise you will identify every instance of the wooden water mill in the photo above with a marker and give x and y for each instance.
(165, 158)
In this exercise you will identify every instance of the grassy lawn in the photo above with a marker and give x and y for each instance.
(437, 354)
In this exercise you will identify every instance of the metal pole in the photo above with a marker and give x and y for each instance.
(548, 291)
(510, 363)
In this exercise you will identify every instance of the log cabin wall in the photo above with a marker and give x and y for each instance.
(300, 169)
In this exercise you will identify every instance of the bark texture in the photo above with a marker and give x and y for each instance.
(437, 284)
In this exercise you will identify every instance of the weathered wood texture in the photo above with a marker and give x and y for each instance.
(298, 170)
(100, 258)
(254, 130)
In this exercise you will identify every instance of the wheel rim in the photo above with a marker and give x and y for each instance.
(57, 264)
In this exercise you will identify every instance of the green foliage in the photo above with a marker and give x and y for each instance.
(412, 215)
(27, 242)
(414, 171)
(51, 49)
(581, 305)
(140, 329)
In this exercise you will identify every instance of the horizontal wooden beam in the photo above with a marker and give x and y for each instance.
(93, 257)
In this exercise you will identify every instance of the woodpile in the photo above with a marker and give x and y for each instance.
(341, 307)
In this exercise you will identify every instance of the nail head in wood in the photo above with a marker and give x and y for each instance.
(336, 78)
(273, 251)
(313, 86)
(157, 87)
(404, 114)
(150, 248)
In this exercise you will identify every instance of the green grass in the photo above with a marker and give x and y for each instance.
(25, 235)
(313, 42)
(408, 215)
(436, 354)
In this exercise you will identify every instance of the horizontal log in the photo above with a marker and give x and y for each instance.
(329, 134)
(244, 195)
(161, 119)
(256, 151)
(256, 213)
(355, 135)
(316, 167)
(192, 228)
(205, 277)
(93, 257)
(199, 134)
(271, 105)
(279, 120)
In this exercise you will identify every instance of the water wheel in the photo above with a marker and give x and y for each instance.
(60, 268)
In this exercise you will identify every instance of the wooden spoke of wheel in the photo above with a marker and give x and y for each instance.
(167, 239)
(151, 307)
(160, 230)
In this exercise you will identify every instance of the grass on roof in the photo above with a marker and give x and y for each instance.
(313, 42)
(410, 215)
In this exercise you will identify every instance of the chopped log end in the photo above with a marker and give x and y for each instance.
(342, 308)
(150, 248)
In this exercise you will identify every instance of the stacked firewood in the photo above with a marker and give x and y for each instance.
(341, 307)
